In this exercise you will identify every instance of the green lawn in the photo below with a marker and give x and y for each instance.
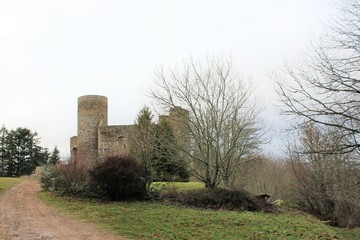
(179, 186)
(146, 220)
(6, 183)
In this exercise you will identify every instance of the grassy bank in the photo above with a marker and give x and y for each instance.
(145, 220)
(349, 234)
(179, 186)
(6, 183)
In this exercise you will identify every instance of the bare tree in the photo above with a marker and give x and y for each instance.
(325, 87)
(326, 183)
(271, 176)
(221, 128)
(324, 92)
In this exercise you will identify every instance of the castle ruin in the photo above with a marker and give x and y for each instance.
(97, 140)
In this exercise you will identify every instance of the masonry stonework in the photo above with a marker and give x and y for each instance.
(96, 140)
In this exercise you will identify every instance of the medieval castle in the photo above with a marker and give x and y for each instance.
(96, 140)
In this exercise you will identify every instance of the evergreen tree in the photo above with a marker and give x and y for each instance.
(141, 141)
(54, 156)
(3, 134)
(167, 164)
(22, 152)
(154, 145)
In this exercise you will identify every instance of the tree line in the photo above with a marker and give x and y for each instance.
(21, 153)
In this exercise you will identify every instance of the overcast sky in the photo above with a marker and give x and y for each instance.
(52, 52)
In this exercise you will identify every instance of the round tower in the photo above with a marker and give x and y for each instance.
(92, 112)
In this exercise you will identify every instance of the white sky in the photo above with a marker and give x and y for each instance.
(52, 52)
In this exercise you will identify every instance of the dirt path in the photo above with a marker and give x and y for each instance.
(24, 216)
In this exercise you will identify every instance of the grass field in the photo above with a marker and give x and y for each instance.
(6, 183)
(146, 220)
(179, 186)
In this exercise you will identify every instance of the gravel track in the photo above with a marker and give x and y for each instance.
(24, 216)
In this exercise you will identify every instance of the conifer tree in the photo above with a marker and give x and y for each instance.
(54, 156)
(21, 152)
(141, 141)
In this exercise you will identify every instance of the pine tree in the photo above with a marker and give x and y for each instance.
(154, 145)
(141, 141)
(22, 152)
(54, 156)
(3, 134)
(167, 164)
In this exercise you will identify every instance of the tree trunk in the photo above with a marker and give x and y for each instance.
(209, 183)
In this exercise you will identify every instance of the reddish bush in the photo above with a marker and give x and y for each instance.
(69, 178)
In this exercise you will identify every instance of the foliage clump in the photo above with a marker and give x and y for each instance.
(216, 198)
(119, 177)
(70, 178)
(155, 146)
(48, 175)
(168, 166)
(20, 152)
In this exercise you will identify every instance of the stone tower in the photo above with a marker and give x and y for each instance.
(96, 140)
(179, 119)
(92, 113)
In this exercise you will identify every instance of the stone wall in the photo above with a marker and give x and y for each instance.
(179, 120)
(113, 140)
(73, 146)
(96, 140)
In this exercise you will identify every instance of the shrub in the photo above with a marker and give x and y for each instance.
(217, 198)
(48, 176)
(120, 177)
(166, 171)
(74, 179)
(69, 178)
